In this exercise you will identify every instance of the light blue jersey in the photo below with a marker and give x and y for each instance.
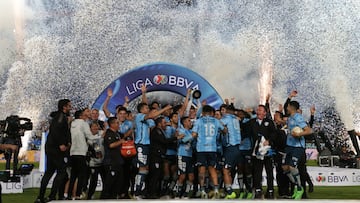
(233, 137)
(246, 143)
(297, 120)
(169, 133)
(185, 144)
(142, 129)
(125, 126)
(207, 129)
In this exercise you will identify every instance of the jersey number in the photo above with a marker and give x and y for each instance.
(209, 130)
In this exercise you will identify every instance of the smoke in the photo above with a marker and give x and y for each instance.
(231, 68)
(339, 88)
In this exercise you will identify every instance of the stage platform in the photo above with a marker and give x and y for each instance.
(213, 200)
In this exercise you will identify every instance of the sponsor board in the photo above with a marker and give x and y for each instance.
(321, 176)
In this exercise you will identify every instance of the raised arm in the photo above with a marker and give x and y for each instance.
(185, 108)
(126, 104)
(154, 114)
(106, 103)
(312, 116)
(288, 100)
(143, 94)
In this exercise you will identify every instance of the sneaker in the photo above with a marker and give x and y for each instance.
(137, 197)
(299, 194)
(250, 195)
(203, 195)
(269, 194)
(242, 195)
(231, 196)
(311, 188)
(258, 194)
(217, 195)
(49, 199)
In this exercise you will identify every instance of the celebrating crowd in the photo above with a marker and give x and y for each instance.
(182, 151)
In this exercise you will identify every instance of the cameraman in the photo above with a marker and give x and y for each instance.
(14, 130)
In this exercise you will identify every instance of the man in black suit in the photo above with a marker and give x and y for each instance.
(158, 147)
(57, 151)
(262, 130)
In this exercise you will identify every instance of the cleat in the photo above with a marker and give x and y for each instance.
(295, 191)
(242, 195)
(231, 196)
(250, 195)
(299, 194)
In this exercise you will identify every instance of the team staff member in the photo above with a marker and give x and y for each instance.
(113, 160)
(262, 131)
(158, 147)
(57, 151)
(126, 129)
(295, 147)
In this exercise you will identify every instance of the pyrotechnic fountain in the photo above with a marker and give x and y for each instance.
(74, 49)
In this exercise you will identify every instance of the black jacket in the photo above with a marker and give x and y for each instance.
(59, 134)
(266, 129)
(159, 143)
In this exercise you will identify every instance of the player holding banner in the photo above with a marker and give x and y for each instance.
(295, 146)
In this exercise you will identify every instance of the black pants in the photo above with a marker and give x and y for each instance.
(113, 179)
(94, 174)
(129, 178)
(282, 179)
(9, 153)
(156, 171)
(54, 163)
(78, 171)
(303, 172)
(258, 168)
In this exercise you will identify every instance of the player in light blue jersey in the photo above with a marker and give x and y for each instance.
(231, 149)
(185, 162)
(206, 130)
(295, 146)
(170, 167)
(143, 123)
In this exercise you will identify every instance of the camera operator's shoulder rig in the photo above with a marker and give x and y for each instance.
(13, 127)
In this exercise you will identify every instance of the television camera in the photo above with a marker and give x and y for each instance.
(12, 129)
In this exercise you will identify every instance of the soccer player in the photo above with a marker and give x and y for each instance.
(170, 167)
(295, 149)
(143, 123)
(205, 130)
(231, 149)
(245, 178)
(185, 162)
